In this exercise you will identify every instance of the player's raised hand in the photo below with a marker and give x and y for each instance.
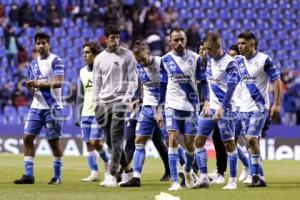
(32, 83)
(219, 113)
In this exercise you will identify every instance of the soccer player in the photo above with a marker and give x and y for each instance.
(256, 70)
(183, 68)
(114, 85)
(222, 77)
(46, 79)
(91, 132)
(234, 51)
(217, 176)
(148, 70)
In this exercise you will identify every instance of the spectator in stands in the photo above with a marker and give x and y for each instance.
(14, 15)
(2, 14)
(26, 14)
(54, 16)
(95, 19)
(40, 15)
(153, 19)
(169, 17)
(20, 96)
(11, 45)
(193, 37)
(154, 42)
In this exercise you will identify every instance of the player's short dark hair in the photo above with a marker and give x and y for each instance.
(247, 35)
(139, 46)
(111, 29)
(176, 29)
(42, 35)
(94, 46)
(212, 37)
(235, 48)
(201, 43)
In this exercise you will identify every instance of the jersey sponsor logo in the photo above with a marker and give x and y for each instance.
(180, 78)
(214, 81)
(249, 79)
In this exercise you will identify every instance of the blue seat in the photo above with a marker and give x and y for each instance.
(22, 113)
(232, 4)
(258, 4)
(281, 55)
(271, 5)
(3, 120)
(72, 52)
(193, 4)
(59, 32)
(274, 45)
(78, 63)
(288, 45)
(289, 25)
(281, 35)
(198, 14)
(180, 4)
(67, 22)
(284, 4)
(221, 24)
(65, 42)
(262, 14)
(225, 14)
(219, 4)
(250, 14)
(87, 33)
(275, 25)
(212, 14)
(9, 110)
(294, 55)
(206, 4)
(59, 51)
(1, 31)
(245, 4)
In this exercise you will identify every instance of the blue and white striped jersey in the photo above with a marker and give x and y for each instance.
(150, 78)
(45, 70)
(182, 72)
(256, 74)
(220, 73)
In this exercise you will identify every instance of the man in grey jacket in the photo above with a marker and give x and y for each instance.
(114, 84)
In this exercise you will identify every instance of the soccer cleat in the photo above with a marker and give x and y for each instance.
(119, 175)
(126, 177)
(93, 177)
(109, 181)
(203, 182)
(54, 181)
(189, 180)
(181, 175)
(248, 180)
(25, 180)
(257, 182)
(217, 179)
(134, 182)
(175, 186)
(231, 184)
(244, 174)
(214, 173)
(165, 177)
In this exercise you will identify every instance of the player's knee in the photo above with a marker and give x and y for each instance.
(229, 146)
(190, 147)
(252, 141)
(28, 140)
(200, 142)
(140, 140)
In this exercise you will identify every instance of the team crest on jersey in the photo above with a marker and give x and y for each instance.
(190, 62)
(116, 63)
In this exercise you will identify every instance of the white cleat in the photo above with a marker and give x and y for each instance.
(244, 174)
(217, 179)
(202, 182)
(189, 180)
(231, 184)
(109, 181)
(126, 177)
(175, 186)
(93, 177)
(248, 180)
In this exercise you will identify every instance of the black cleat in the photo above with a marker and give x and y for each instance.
(54, 181)
(166, 177)
(257, 182)
(182, 183)
(119, 175)
(134, 182)
(25, 180)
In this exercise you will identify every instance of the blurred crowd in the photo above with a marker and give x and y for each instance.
(138, 19)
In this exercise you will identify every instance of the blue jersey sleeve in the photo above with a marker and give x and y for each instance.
(200, 70)
(57, 66)
(271, 69)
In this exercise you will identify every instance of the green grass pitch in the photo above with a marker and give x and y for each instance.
(283, 178)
